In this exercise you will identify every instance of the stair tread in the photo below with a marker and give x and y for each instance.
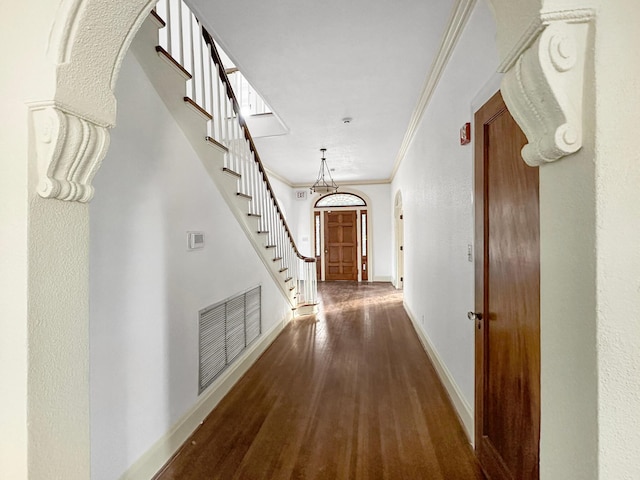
(283, 269)
(162, 52)
(262, 232)
(192, 103)
(270, 246)
(244, 195)
(254, 215)
(288, 279)
(231, 172)
(277, 258)
(158, 18)
(213, 141)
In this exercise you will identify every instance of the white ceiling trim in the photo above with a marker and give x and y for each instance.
(350, 183)
(459, 16)
(273, 174)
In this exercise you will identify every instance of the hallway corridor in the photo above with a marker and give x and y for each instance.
(351, 396)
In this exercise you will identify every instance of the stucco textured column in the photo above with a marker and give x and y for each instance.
(66, 66)
(590, 292)
(617, 167)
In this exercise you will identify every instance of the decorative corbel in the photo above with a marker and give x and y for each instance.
(544, 83)
(70, 150)
(70, 130)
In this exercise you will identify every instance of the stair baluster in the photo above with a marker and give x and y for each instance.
(190, 46)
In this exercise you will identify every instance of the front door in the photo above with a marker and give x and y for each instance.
(507, 298)
(340, 244)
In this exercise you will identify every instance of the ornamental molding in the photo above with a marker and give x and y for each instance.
(70, 129)
(457, 21)
(69, 150)
(543, 84)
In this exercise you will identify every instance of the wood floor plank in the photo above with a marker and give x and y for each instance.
(349, 395)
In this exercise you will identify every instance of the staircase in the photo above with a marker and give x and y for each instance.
(181, 60)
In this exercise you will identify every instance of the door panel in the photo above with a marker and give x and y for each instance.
(341, 249)
(508, 297)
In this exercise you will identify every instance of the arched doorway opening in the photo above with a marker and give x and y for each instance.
(399, 241)
(342, 243)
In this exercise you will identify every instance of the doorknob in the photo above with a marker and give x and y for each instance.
(326, 251)
(474, 316)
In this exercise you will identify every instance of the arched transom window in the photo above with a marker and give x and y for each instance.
(340, 200)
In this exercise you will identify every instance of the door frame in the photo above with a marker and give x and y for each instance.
(359, 210)
(398, 215)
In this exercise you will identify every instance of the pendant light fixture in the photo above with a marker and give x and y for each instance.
(321, 185)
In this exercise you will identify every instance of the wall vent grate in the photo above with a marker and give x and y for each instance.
(226, 329)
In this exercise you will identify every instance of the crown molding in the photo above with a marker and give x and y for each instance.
(290, 184)
(385, 181)
(455, 26)
(279, 177)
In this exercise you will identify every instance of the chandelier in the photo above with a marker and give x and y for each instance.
(321, 185)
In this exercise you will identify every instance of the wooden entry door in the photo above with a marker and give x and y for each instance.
(341, 245)
(507, 299)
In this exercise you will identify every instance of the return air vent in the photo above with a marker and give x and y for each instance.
(226, 329)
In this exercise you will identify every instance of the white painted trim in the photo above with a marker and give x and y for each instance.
(398, 238)
(382, 278)
(161, 451)
(305, 186)
(459, 403)
(277, 176)
(459, 16)
(346, 184)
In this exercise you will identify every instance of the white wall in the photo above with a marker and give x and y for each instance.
(435, 179)
(380, 223)
(284, 194)
(618, 230)
(146, 288)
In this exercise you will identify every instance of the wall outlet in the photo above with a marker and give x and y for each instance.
(470, 253)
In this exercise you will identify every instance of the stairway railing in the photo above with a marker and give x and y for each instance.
(251, 103)
(209, 89)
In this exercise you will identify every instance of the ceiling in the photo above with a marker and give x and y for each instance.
(316, 63)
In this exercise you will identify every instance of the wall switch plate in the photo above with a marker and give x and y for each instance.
(470, 253)
(195, 240)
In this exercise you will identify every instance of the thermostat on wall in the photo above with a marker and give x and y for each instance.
(196, 240)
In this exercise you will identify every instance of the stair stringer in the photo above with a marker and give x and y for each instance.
(169, 81)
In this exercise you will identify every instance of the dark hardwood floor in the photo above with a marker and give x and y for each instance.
(350, 396)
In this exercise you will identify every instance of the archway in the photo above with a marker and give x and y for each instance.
(332, 215)
(52, 260)
(399, 240)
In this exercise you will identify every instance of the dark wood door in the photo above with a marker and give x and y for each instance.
(508, 298)
(340, 245)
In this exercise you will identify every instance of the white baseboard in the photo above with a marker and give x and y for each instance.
(382, 278)
(154, 459)
(459, 403)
